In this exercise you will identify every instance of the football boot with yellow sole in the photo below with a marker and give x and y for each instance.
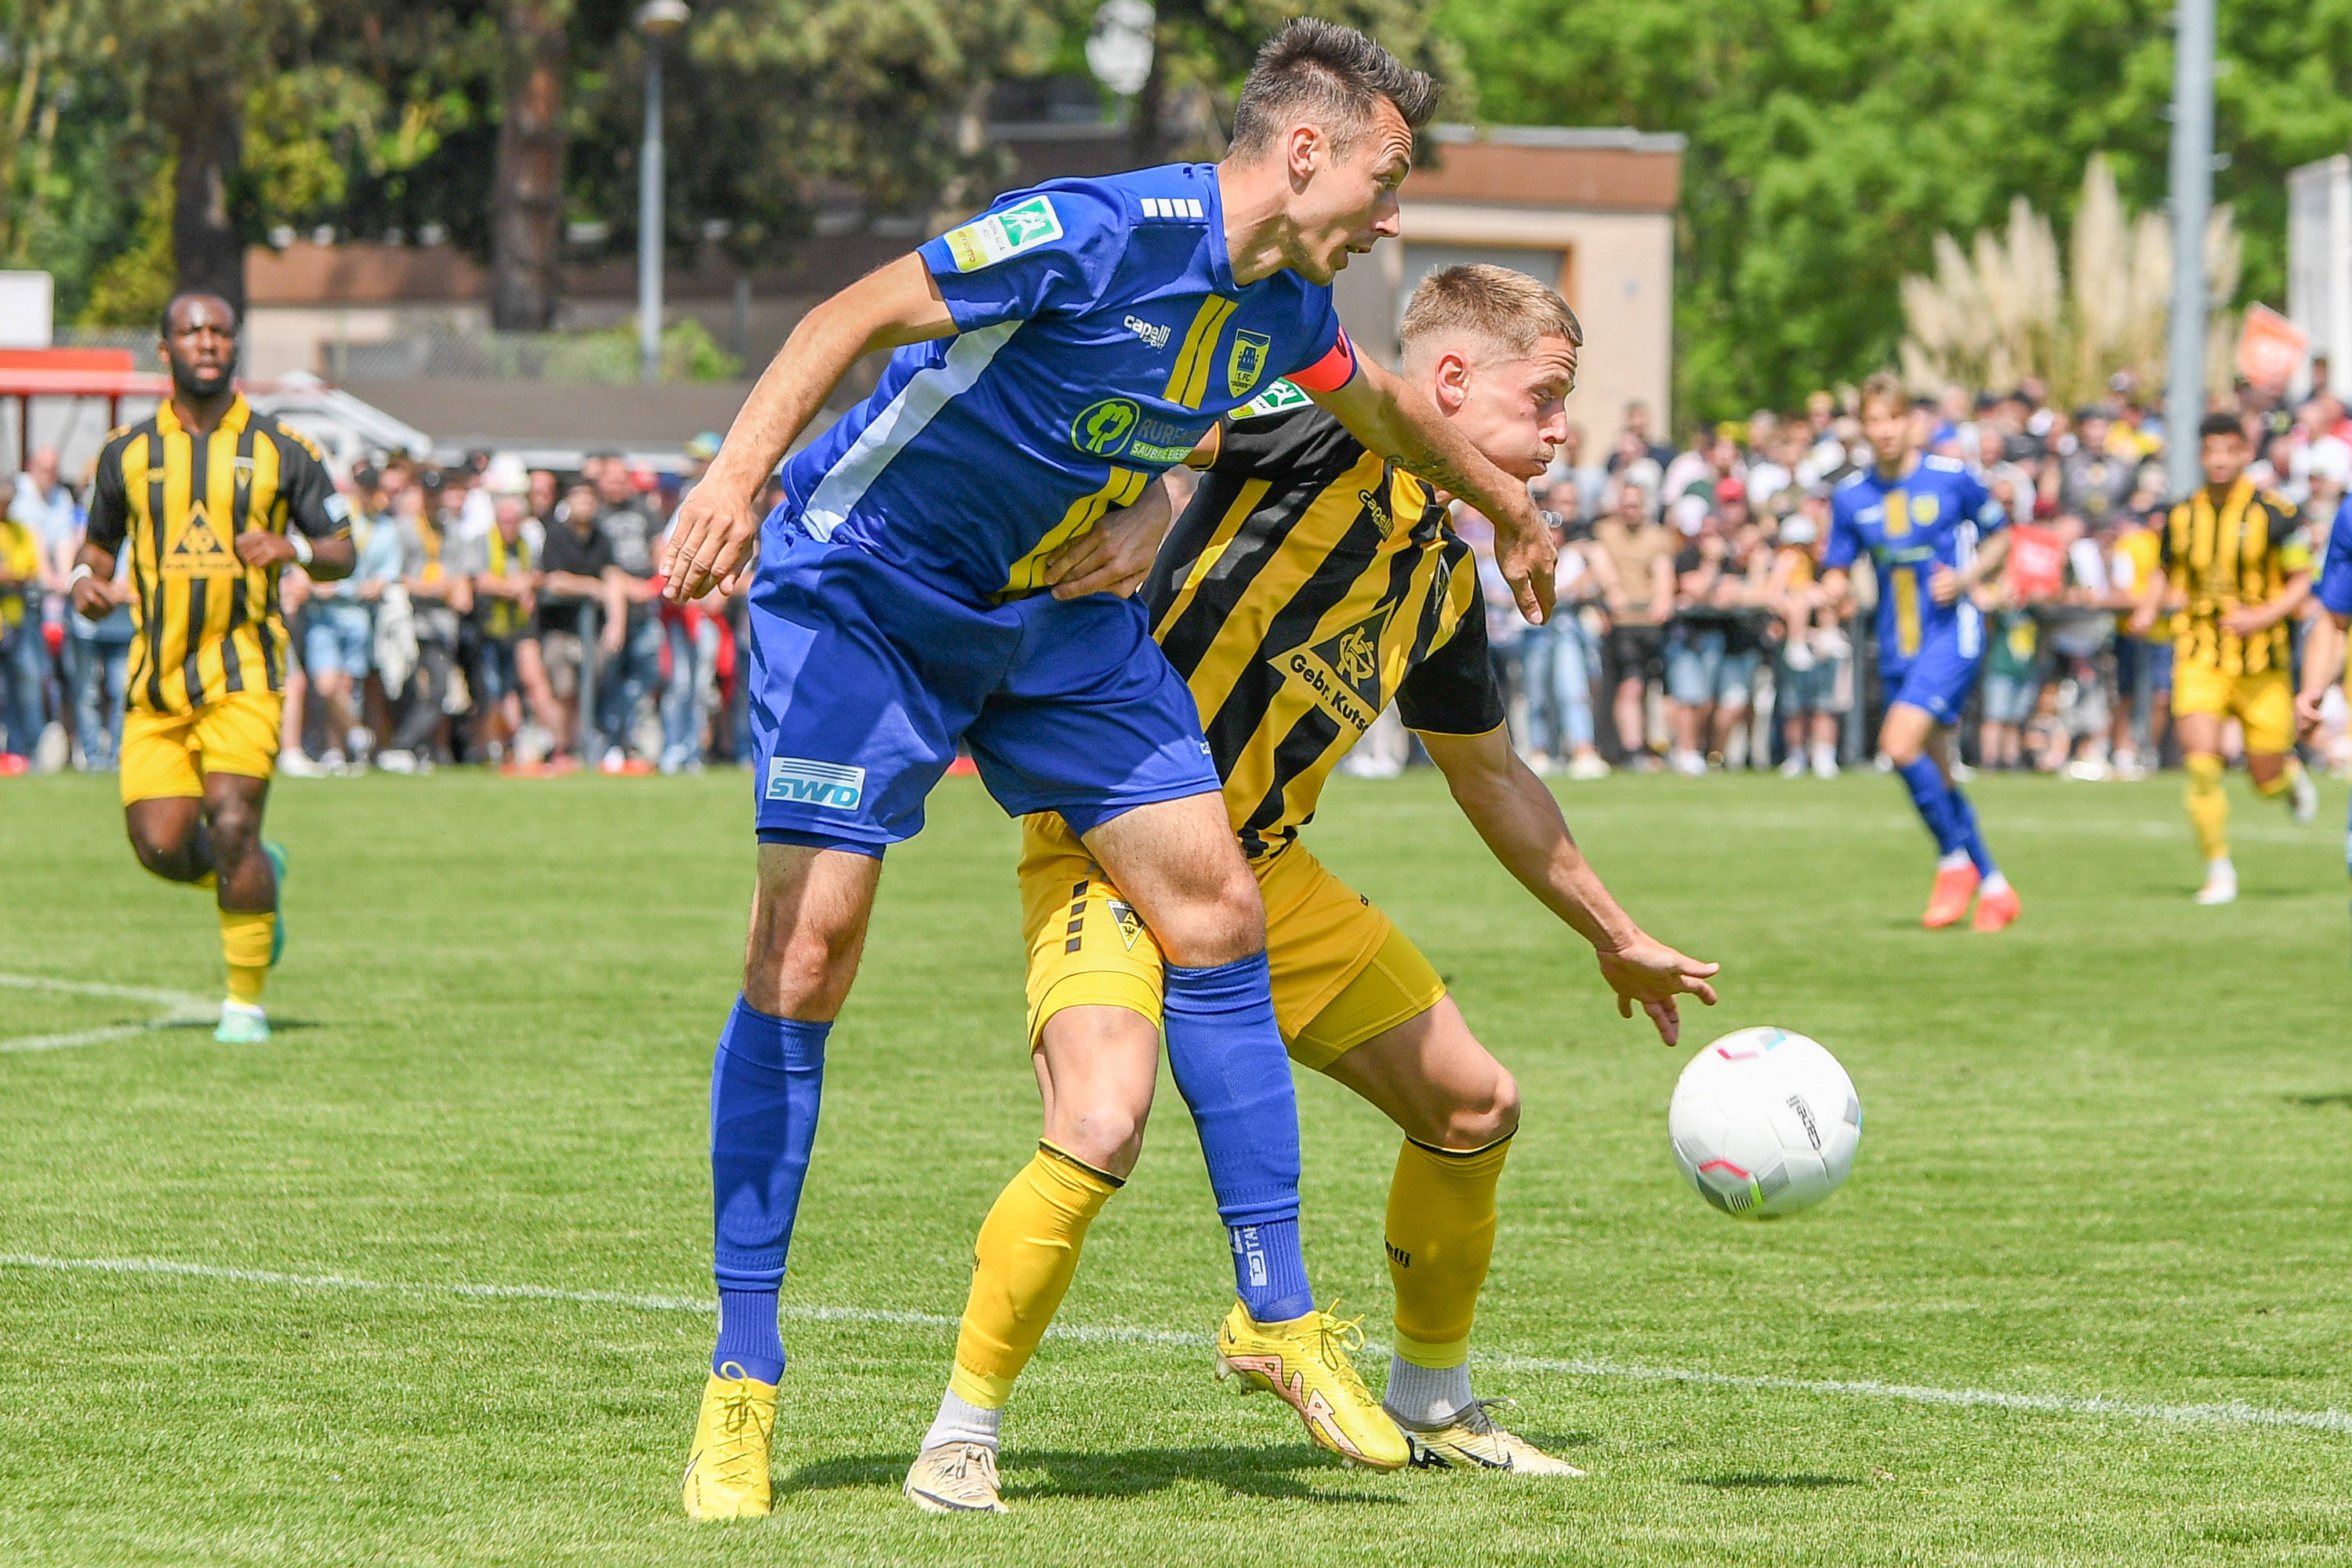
(727, 1474)
(1305, 1362)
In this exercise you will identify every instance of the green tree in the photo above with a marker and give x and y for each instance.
(1831, 140)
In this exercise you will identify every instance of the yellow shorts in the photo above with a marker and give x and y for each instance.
(2264, 703)
(167, 755)
(1342, 973)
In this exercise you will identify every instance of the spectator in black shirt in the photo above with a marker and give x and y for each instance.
(580, 575)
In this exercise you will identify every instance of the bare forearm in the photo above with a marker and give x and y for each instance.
(1521, 823)
(331, 559)
(2323, 656)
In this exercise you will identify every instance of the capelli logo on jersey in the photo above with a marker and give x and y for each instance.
(1150, 332)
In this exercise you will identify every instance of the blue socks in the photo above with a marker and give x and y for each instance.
(1228, 1061)
(1939, 803)
(1270, 1271)
(765, 1086)
(1974, 840)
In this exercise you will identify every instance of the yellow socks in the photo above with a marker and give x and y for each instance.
(2208, 808)
(245, 943)
(1026, 1255)
(2282, 781)
(1441, 1238)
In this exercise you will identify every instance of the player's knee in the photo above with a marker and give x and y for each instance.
(1106, 1135)
(1223, 922)
(1486, 1115)
(236, 826)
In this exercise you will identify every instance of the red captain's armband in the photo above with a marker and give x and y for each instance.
(1331, 373)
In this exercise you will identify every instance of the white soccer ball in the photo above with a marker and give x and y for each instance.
(1764, 1124)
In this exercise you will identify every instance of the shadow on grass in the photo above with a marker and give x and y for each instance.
(2341, 1096)
(1757, 1482)
(178, 1025)
(1030, 1474)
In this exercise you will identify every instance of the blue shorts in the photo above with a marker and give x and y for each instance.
(339, 639)
(1937, 678)
(2011, 699)
(864, 678)
(500, 675)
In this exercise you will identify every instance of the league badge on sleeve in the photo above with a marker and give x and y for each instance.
(1000, 236)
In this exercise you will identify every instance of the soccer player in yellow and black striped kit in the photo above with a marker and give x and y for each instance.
(1309, 584)
(2234, 565)
(212, 499)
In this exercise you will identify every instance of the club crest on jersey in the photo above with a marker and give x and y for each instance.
(1247, 363)
(1129, 923)
(1103, 428)
(1342, 672)
(1000, 236)
(198, 551)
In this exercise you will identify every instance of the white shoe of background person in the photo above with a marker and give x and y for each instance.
(2221, 884)
(1690, 764)
(396, 762)
(1587, 765)
(1825, 763)
(297, 765)
(2303, 797)
(1793, 767)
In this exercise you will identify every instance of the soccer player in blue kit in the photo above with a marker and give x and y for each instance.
(2323, 652)
(1933, 535)
(1052, 357)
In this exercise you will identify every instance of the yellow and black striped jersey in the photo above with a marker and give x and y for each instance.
(207, 624)
(2241, 552)
(1308, 584)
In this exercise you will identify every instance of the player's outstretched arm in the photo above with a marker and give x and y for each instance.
(1521, 821)
(1396, 419)
(717, 524)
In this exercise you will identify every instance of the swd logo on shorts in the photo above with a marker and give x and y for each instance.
(827, 784)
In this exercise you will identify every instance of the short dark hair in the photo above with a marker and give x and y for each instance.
(2221, 424)
(1329, 70)
(163, 321)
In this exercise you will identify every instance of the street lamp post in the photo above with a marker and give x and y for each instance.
(656, 20)
(2192, 203)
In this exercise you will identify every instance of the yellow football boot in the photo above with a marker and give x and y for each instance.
(726, 1475)
(1471, 1441)
(1306, 1362)
(955, 1478)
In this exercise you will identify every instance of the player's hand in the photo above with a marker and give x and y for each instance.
(2142, 622)
(2245, 621)
(1646, 972)
(1116, 554)
(260, 547)
(94, 599)
(712, 543)
(1528, 558)
(1944, 586)
(2306, 713)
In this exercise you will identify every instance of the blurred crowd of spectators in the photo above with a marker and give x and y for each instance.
(511, 615)
(498, 614)
(1692, 637)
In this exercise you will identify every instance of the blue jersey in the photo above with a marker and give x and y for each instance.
(2334, 588)
(1931, 517)
(1100, 334)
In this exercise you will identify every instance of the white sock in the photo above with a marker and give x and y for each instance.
(961, 1423)
(1952, 862)
(1995, 884)
(1425, 1397)
(2220, 870)
(231, 1005)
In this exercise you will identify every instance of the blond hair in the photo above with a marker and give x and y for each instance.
(1885, 386)
(1508, 309)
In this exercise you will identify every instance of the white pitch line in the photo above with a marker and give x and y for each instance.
(174, 1007)
(2232, 1413)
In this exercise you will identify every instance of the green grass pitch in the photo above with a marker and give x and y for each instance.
(2106, 1160)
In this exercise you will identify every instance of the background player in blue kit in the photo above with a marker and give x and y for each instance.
(1054, 356)
(2323, 653)
(1934, 536)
